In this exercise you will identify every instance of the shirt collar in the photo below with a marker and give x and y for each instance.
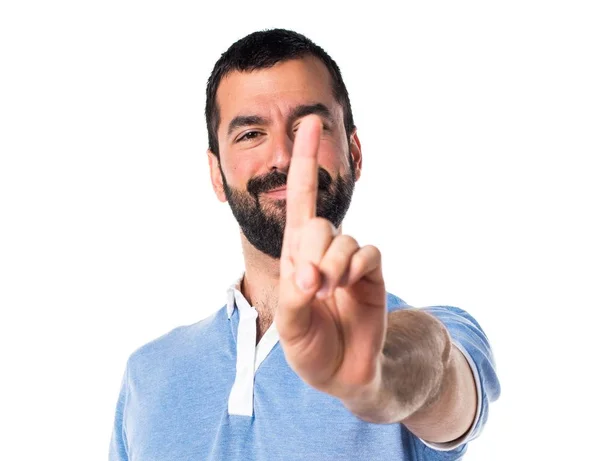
(234, 293)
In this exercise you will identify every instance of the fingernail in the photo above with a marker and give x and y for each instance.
(323, 292)
(304, 278)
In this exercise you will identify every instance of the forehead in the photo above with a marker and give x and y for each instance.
(281, 87)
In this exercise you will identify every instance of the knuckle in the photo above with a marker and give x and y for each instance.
(368, 255)
(375, 252)
(360, 260)
(348, 241)
(320, 225)
(335, 261)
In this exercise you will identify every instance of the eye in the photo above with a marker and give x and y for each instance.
(248, 136)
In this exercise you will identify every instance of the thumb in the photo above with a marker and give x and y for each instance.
(298, 286)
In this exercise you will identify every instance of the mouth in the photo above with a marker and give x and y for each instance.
(278, 193)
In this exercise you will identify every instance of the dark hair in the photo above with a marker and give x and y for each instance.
(261, 50)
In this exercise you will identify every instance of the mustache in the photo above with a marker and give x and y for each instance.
(278, 179)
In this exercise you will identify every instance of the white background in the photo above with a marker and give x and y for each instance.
(480, 127)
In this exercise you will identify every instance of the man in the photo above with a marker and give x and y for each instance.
(311, 359)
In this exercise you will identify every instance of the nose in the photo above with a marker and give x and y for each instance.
(281, 152)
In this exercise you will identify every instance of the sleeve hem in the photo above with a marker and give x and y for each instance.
(474, 430)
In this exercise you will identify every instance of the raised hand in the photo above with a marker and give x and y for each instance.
(331, 316)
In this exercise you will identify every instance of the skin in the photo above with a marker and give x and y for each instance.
(326, 293)
(273, 93)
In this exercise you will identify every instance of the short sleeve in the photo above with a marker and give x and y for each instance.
(468, 336)
(118, 443)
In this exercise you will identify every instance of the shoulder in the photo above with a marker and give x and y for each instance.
(394, 302)
(458, 321)
(176, 345)
(452, 316)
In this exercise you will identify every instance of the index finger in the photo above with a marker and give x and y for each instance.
(302, 181)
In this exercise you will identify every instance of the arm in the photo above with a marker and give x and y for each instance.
(332, 322)
(423, 380)
(118, 441)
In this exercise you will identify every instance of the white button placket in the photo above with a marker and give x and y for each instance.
(242, 393)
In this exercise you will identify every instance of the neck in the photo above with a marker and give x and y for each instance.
(260, 284)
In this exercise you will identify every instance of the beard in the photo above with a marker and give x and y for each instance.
(263, 225)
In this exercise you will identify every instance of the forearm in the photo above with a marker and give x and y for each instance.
(422, 380)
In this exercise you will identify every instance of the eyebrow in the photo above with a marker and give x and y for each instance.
(298, 112)
(307, 109)
(245, 120)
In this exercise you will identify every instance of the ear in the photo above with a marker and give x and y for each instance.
(215, 176)
(356, 153)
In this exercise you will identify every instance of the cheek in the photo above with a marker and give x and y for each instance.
(332, 158)
(238, 173)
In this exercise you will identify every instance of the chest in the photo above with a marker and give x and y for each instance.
(289, 421)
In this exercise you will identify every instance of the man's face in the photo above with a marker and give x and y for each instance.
(260, 112)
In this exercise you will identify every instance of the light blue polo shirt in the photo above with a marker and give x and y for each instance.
(205, 392)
